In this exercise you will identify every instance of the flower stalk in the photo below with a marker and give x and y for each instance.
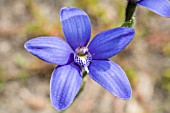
(130, 10)
(83, 84)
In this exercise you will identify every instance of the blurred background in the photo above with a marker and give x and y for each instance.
(24, 79)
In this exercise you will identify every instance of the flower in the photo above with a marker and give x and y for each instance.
(161, 7)
(74, 55)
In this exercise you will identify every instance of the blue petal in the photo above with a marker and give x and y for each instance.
(76, 26)
(64, 85)
(111, 76)
(50, 49)
(161, 7)
(108, 43)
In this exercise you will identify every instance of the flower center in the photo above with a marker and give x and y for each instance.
(82, 57)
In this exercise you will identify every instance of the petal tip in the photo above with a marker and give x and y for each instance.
(59, 106)
(127, 96)
(68, 12)
(130, 30)
(27, 46)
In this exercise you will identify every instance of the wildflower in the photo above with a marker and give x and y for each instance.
(74, 55)
(161, 7)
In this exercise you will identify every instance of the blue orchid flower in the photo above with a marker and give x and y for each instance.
(161, 7)
(74, 55)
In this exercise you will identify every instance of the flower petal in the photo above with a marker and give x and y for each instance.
(50, 49)
(111, 76)
(161, 7)
(108, 43)
(76, 26)
(64, 85)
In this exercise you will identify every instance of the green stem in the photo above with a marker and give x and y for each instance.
(130, 10)
(83, 83)
(130, 23)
